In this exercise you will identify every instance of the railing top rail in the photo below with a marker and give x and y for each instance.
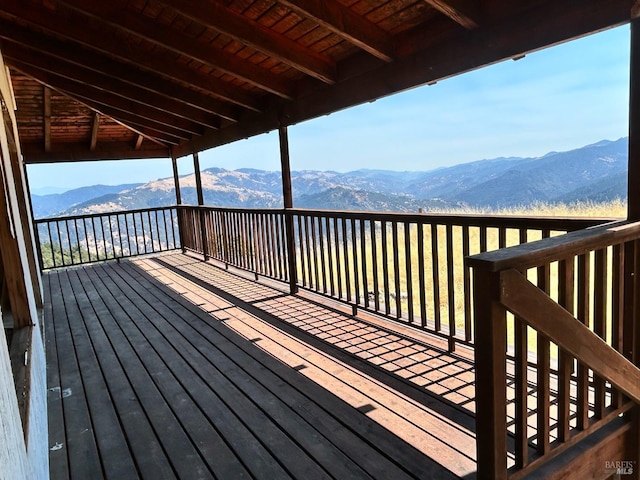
(101, 214)
(481, 220)
(541, 252)
(231, 209)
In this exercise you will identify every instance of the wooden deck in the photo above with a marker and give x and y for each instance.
(169, 367)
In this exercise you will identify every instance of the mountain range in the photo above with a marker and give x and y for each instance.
(595, 172)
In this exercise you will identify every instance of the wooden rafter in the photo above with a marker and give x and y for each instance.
(121, 50)
(133, 123)
(464, 12)
(114, 86)
(35, 154)
(68, 53)
(46, 101)
(75, 89)
(343, 21)
(139, 142)
(182, 45)
(215, 16)
(95, 126)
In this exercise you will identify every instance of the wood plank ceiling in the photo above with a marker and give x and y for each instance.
(148, 78)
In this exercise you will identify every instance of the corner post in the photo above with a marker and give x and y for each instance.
(491, 375)
(633, 193)
(632, 325)
(287, 196)
(201, 212)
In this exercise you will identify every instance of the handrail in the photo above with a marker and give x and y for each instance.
(540, 252)
(537, 309)
(577, 294)
(480, 220)
(404, 266)
(80, 239)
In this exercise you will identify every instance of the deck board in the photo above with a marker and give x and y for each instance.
(179, 369)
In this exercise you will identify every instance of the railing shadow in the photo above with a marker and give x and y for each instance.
(382, 356)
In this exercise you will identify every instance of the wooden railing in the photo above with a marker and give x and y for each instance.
(406, 267)
(80, 239)
(556, 344)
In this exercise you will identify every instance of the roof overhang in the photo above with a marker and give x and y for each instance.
(145, 79)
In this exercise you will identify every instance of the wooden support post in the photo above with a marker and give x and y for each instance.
(176, 179)
(179, 211)
(633, 195)
(491, 376)
(203, 228)
(633, 323)
(196, 171)
(631, 338)
(14, 229)
(287, 196)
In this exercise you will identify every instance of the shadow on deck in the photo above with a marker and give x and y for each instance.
(169, 367)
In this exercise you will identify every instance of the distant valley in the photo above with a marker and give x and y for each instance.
(595, 172)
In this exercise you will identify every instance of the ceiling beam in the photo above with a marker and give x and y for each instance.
(344, 22)
(34, 153)
(149, 129)
(46, 117)
(470, 50)
(464, 12)
(179, 43)
(76, 89)
(219, 18)
(139, 142)
(111, 85)
(68, 52)
(95, 126)
(114, 47)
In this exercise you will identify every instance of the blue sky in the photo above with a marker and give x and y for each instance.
(556, 99)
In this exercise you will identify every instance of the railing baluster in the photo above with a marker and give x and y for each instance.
(299, 251)
(396, 267)
(150, 232)
(583, 315)
(617, 313)
(345, 256)
(354, 262)
(599, 323)
(336, 237)
(435, 267)
(521, 394)
(408, 258)
(75, 224)
(565, 361)
(466, 286)
(385, 267)
(374, 263)
(451, 293)
(363, 257)
(314, 241)
(53, 253)
(483, 239)
(421, 276)
(543, 360)
(330, 267)
(309, 244)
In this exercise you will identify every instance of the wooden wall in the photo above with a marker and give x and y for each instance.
(23, 390)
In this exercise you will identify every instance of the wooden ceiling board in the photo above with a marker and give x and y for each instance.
(195, 74)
